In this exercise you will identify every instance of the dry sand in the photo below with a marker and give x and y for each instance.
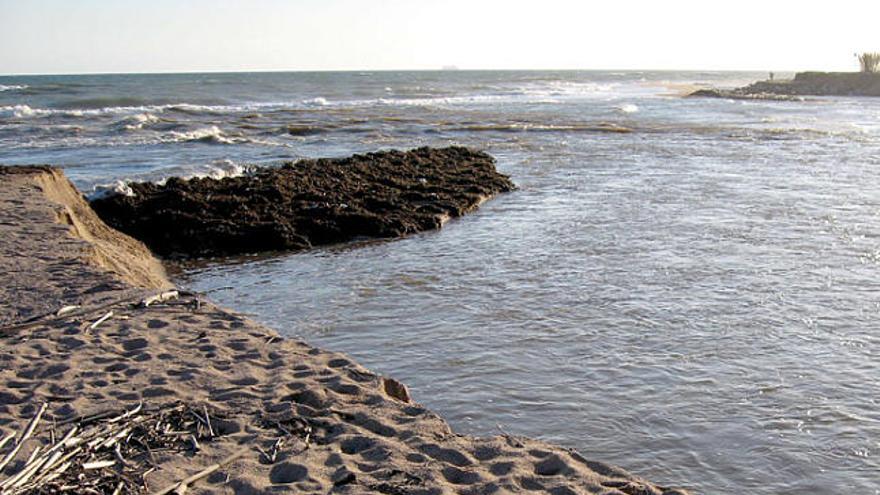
(367, 437)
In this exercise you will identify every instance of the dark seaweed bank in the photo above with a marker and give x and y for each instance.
(307, 203)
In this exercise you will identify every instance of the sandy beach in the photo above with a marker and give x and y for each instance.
(294, 418)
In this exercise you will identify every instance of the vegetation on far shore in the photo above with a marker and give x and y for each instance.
(869, 61)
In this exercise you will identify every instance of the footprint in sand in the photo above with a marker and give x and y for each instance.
(356, 445)
(288, 472)
(113, 368)
(8, 398)
(501, 468)
(144, 356)
(338, 363)
(551, 466)
(245, 381)
(448, 456)
(54, 370)
(135, 344)
(156, 392)
(460, 477)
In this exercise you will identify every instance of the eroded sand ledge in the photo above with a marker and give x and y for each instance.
(364, 440)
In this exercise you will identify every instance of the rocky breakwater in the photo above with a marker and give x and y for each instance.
(307, 203)
(803, 84)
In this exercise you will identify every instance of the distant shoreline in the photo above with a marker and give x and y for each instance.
(803, 84)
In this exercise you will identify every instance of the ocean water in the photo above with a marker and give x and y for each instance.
(696, 301)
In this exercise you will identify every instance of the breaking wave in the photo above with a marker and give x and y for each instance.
(211, 134)
(527, 127)
(129, 106)
(137, 121)
(115, 188)
(218, 169)
(214, 135)
(13, 87)
(319, 102)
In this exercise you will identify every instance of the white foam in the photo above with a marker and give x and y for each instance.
(218, 169)
(22, 111)
(116, 188)
(13, 87)
(569, 89)
(138, 121)
(221, 169)
(18, 111)
(628, 108)
(211, 134)
(318, 102)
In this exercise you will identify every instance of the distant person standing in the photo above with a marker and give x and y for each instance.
(771, 76)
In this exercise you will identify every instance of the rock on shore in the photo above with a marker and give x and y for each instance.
(307, 203)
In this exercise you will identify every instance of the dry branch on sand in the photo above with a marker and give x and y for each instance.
(112, 452)
(106, 453)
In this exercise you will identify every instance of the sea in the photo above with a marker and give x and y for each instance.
(695, 300)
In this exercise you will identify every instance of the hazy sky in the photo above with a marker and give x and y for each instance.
(73, 36)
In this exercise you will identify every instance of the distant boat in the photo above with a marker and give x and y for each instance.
(450, 67)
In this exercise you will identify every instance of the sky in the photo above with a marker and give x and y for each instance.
(96, 36)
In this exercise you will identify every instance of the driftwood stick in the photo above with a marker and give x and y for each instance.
(118, 452)
(23, 475)
(67, 309)
(83, 420)
(63, 463)
(202, 420)
(208, 419)
(6, 440)
(31, 471)
(127, 414)
(27, 434)
(100, 320)
(50, 462)
(97, 465)
(181, 486)
(161, 297)
(33, 455)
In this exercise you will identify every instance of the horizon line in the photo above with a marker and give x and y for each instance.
(444, 69)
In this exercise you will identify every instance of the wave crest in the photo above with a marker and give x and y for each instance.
(211, 134)
(115, 188)
(218, 169)
(137, 121)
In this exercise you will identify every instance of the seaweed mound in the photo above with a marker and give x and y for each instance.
(308, 203)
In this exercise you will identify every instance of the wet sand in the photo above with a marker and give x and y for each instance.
(366, 435)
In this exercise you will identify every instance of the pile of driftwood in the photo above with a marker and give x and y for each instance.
(107, 453)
